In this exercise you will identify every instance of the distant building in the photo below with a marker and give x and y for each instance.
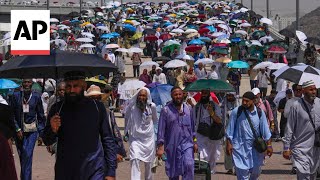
(282, 22)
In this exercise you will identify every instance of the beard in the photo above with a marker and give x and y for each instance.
(71, 98)
(205, 100)
(141, 104)
(177, 102)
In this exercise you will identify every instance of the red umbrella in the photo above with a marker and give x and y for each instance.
(201, 16)
(193, 48)
(215, 99)
(220, 45)
(151, 38)
(203, 26)
(66, 22)
(165, 36)
(203, 30)
(277, 50)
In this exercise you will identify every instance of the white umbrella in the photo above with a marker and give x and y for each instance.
(266, 39)
(255, 43)
(122, 50)
(148, 64)
(301, 36)
(224, 26)
(87, 34)
(103, 28)
(177, 31)
(218, 22)
(54, 20)
(263, 65)
(59, 41)
(175, 64)
(189, 31)
(204, 61)
(242, 32)
(244, 10)
(112, 46)
(6, 36)
(172, 26)
(7, 42)
(266, 21)
(99, 14)
(135, 50)
(276, 66)
(170, 42)
(87, 46)
(185, 57)
(87, 40)
(245, 25)
(130, 87)
(217, 34)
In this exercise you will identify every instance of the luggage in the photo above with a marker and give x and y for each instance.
(202, 170)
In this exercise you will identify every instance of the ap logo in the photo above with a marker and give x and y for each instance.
(30, 31)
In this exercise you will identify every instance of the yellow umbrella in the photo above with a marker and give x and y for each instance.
(128, 22)
(136, 36)
(223, 60)
(173, 15)
(85, 23)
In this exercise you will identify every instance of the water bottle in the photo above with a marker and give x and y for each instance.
(164, 157)
(126, 138)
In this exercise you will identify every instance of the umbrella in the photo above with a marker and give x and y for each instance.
(189, 31)
(148, 64)
(205, 39)
(277, 50)
(276, 66)
(161, 58)
(55, 65)
(245, 25)
(87, 40)
(299, 74)
(255, 43)
(191, 35)
(8, 84)
(130, 87)
(263, 65)
(185, 57)
(223, 60)
(135, 50)
(209, 84)
(204, 61)
(220, 51)
(149, 31)
(238, 64)
(203, 30)
(171, 42)
(112, 46)
(242, 32)
(258, 34)
(161, 94)
(177, 31)
(130, 27)
(193, 48)
(196, 42)
(124, 50)
(165, 36)
(107, 36)
(151, 38)
(313, 40)
(87, 46)
(301, 36)
(266, 39)
(87, 34)
(266, 21)
(54, 20)
(215, 99)
(152, 85)
(287, 33)
(95, 81)
(175, 64)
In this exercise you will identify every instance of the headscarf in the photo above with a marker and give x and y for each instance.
(45, 102)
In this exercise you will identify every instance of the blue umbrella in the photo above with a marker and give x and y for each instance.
(74, 21)
(192, 27)
(161, 94)
(237, 39)
(115, 34)
(196, 42)
(130, 27)
(107, 36)
(238, 64)
(167, 24)
(205, 39)
(7, 84)
(100, 24)
(211, 28)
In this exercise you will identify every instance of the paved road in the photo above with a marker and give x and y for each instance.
(276, 167)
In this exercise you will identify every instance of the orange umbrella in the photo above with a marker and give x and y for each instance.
(215, 99)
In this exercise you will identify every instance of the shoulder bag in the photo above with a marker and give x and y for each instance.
(316, 131)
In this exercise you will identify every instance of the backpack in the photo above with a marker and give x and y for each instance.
(240, 109)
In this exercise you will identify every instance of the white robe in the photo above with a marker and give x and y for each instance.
(140, 127)
(160, 79)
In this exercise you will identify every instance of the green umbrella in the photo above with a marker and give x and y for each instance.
(244, 43)
(221, 51)
(35, 86)
(172, 47)
(210, 84)
(258, 34)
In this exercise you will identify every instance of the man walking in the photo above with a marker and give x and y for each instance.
(86, 147)
(205, 113)
(282, 105)
(263, 105)
(263, 79)
(300, 141)
(176, 137)
(29, 122)
(140, 117)
(241, 136)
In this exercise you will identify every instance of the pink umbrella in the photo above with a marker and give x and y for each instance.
(277, 50)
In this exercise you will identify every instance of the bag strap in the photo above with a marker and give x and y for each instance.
(265, 105)
(251, 125)
(308, 111)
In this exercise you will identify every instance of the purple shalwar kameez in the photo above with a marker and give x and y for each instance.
(176, 131)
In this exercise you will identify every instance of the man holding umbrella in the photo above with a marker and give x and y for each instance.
(29, 122)
(86, 147)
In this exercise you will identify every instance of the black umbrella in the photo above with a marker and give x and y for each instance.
(313, 40)
(161, 58)
(55, 65)
(287, 33)
(149, 31)
(73, 14)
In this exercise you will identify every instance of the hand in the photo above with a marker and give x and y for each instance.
(189, 101)
(272, 127)
(269, 151)
(229, 149)
(49, 149)
(286, 154)
(20, 135)
(210, 109)
(55, 123)
(110, 178)
(119, 158)
(195, 148)
(160, 151)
